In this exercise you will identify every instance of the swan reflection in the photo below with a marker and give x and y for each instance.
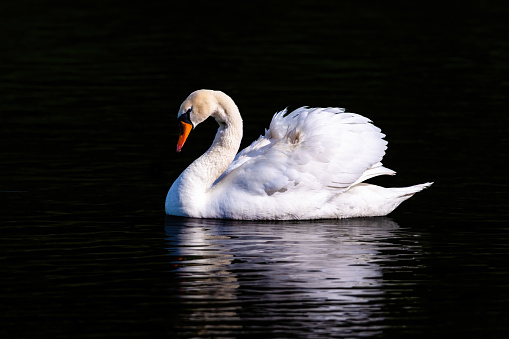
(284, 274)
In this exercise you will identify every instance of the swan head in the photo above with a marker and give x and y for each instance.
(198, 106)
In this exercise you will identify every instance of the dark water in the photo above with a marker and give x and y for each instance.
(88, 96)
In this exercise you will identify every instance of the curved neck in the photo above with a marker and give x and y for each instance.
(203, 172)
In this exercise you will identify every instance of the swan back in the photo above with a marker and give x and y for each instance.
(308, 149)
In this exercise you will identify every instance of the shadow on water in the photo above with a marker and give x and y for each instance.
(283, 276)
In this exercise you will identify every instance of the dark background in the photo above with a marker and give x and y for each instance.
(89, 92)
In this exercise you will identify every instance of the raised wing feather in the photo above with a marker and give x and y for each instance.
(309, 148)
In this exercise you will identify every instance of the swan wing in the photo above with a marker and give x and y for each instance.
(309, 149)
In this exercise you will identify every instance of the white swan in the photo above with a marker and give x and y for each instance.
(310, 164)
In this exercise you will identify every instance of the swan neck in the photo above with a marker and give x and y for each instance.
(205, 170)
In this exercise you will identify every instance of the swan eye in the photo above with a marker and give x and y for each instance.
(186, 117)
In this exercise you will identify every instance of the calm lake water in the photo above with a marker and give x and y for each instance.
(89, 92)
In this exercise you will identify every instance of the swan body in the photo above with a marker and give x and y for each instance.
(310, 164)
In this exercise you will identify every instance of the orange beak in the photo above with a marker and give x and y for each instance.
(185, 129)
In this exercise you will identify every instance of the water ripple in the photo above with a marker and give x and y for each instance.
(289, 273)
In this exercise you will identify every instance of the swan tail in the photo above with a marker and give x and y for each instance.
(367, 200)
(394, 196)
(399, 194)
(407, 192)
